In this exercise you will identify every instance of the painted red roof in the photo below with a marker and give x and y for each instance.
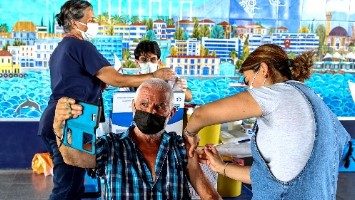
(185, 21)
(159, 21)
(5, 53)
(282, 28)
(137, 24)
(206, 21)
(224, 23)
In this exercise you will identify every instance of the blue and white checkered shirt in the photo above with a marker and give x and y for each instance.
(128, 175)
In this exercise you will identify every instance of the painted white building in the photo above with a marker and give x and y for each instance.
(109, 46)
(170, 31)
(34, 57)
(122, 31)
(159, 27)
(222, 47)
(190, 47)
(137, 31)
(132, 47)
(24, 56)
(255, 40)
(43, 50)
(296, 42)
(207, 22)
(291, 42)
(194, 65)
(58, 29)
(193, 47)
(186, 25)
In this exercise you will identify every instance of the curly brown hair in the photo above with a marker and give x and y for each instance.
(281, 68)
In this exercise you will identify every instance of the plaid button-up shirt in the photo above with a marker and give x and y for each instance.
(128, 175)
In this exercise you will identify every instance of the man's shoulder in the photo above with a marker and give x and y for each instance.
(176, 139)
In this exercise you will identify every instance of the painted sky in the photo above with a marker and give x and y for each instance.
(291, 13)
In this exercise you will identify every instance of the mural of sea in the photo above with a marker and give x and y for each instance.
(26, 98)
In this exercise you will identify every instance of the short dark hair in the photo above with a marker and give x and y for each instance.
(147, 46)
(71, 10)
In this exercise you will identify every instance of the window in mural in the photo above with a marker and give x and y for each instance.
(199, 39)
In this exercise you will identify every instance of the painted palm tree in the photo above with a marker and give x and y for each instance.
(149, 24)
(173, 51)
(170, 22)
(217, 32)
(129, 64)
(204, 31)
(204, 51)
(134, 19)
(178, 35)
(246, 52)
(196, 31)
(110, 30)
(150, 35)
(102, 19)
(320, 31)
(117, 19)
(4, 28)
(213, 54)
(126, 54)
(234, 56)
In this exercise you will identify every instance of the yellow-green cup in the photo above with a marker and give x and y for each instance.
(227, 187)
(209, 135)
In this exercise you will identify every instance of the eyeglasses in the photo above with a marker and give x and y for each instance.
(143, 59)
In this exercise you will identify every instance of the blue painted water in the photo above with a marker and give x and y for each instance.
(14, 92)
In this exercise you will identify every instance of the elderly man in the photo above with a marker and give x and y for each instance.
(145, 162)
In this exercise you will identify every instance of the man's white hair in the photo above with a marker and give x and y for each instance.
(157, 84)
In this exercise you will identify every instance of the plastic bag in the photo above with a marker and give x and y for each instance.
(42, 164)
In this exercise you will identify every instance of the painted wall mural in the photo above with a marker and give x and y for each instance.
(203, 40)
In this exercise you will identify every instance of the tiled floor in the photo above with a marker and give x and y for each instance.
(24, 185)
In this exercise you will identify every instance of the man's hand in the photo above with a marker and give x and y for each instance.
(65, 109)
(191, 142)
(164, 73)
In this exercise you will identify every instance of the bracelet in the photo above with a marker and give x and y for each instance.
(224, 169)
(189, 133)
(61, 139)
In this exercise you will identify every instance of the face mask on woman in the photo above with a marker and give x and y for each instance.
(91, 32)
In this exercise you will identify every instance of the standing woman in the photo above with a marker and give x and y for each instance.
(79, 71)
(299, 143)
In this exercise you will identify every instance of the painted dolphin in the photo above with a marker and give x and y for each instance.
(27, 104)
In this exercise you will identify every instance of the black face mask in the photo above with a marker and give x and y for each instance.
(149, 123)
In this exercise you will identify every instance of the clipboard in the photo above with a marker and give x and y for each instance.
(80, 133)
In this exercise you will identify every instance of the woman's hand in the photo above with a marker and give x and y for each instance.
(65, 109)
(213, 159)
